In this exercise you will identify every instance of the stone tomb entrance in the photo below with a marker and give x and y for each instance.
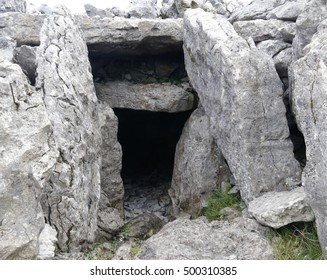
(148, 141)
(152, 98)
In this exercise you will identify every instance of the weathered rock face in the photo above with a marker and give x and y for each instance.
(25, 56)
(143, 9)
(309, 99)
(151, 97)
(110, 215)
(241, 94)
(12, 6)
(199, 167)
(21, 215)
(7, 47)
(27, 158)
(71, 196)
(306, 25)
(260, 30)
(104, 35)
(185, 239)
(277, 209)
(262, 9)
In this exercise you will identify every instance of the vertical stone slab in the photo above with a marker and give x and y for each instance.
(199, 167)
(309, 99)
(70, 199)
(242, 95)
(27, 156)
(111, 208)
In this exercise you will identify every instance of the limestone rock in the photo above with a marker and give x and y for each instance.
(261, 30)
(23, 28)
(245, 108)
(199, 166)
(262, 9)
(47, 240)
(92, 11)
(168, 9)
(144, 226)
(277, 209)
(21, 216)
(25, 56)
(288, 11)
(123, 252)
(27, 158)
(273, 47)
(282, 62)
(143, 9)
(151, 97)
(112, 190)
(306, 25)
(42, 9)
(135, 36)
(7, 47)
(12, 6)
(183, 5)
(71, 196)
(185, 239)
(309, 100)
(105, 35)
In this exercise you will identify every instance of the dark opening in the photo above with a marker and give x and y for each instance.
(148, 141)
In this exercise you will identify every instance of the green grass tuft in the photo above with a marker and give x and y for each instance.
(296, 242)
(218, 201)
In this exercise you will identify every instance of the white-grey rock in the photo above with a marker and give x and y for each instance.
(306, 25)
(288, 11)
(47, 240)
(273, 47)
(199, 166)
(309, 100)
(23, 28)
(110, 215)
(183, 5)
(7, 47)
(123, 252)
(92, 11)
(198, 239)
(27, 159)
(42, 9)
(277, 209)
(261, 30)
(72, 194)
(282, 62)
(135, 36)
(21, 216)
(168, 9)
(25, 56)
(12, 6)
(152, 97)
(245, 108)
(263, 9)
(143, 9)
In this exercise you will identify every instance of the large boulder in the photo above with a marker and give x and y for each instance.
(12, 6)
(242, 95)
(151, 97)
(306, 25)
(277, 209)
(143, 9)
(71, 196)
(199, 167)
(27, 159)
(198, 239)
(309, 99)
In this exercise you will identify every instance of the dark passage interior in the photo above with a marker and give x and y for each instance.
(148, 141)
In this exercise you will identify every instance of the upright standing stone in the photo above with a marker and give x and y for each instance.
(70, 199)
(199, 166)
(242, 95)
(27, 156)
(309, 97)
